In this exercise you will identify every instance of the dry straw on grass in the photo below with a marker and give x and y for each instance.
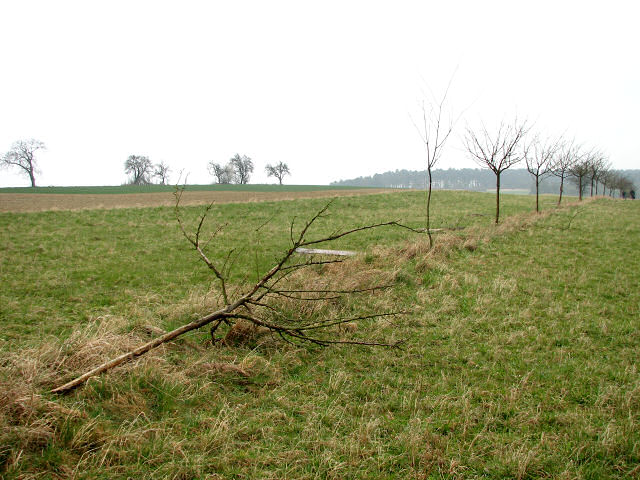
(468, 239)
(29, 421)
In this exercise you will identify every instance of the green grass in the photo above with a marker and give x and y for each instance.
(122, 189)
(68, 267)
(520, 358)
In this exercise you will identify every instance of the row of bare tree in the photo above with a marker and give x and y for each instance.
(237, 170)
(513, 143)
(543, 156)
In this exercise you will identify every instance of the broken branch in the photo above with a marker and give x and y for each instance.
(262, 295)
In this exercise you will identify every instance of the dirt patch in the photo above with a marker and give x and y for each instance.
(36, 202)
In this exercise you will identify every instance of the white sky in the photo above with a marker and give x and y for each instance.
(326, 87)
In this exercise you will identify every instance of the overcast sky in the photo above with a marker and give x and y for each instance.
(326, 87)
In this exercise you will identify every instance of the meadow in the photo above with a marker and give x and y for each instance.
(155, 188)
(143, 196)
(519, 357)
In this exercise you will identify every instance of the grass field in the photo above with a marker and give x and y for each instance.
(129, 196)
(131, 189)
(520, 356)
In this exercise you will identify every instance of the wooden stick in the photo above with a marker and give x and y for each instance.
(141, 350)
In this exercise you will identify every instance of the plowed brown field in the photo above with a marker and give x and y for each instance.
(35, 202)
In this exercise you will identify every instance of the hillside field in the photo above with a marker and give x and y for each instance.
(520, 353)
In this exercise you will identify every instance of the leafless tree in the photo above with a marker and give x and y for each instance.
(243, 167)
(260, 304)
(599, 165)
(140, 168)
(23, 156)
(497, 151)
(565, 157)
(224, 173)
(161, 172)
(435, 129)
(604, 180)
(580, 170)
(278, 170)
(608, 179)
(539, 158)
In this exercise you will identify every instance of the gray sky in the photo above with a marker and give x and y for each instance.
(326, 87)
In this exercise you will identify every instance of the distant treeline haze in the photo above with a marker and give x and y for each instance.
(474, 179)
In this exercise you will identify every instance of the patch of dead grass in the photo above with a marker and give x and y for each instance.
(30, 421)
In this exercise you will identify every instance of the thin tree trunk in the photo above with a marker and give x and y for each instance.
(561, 188)
(497, 197)
(32, 178)
(537, 194)
(428, 208)
(580, 188)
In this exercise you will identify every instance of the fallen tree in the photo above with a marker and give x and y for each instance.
(259, 303)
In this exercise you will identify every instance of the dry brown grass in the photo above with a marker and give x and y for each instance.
(469, 239)
(355, 274)
(35, 202)
(29, 421)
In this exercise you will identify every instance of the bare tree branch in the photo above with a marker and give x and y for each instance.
(195, 241)
(259, 304)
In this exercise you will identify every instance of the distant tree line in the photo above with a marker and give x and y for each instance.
(238, 170)
(474, 179)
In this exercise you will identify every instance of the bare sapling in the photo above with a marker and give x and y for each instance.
(435, 131)
(261, 304)
(580, 170)
(597, 166)
(539, 158)
(568, 154)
